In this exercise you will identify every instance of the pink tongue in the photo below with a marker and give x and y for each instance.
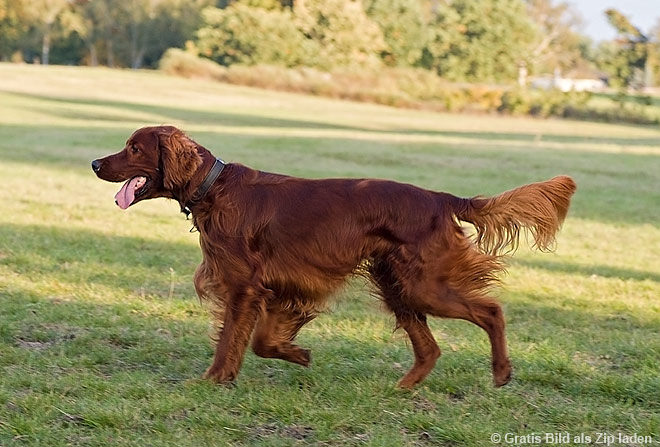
(126, 194)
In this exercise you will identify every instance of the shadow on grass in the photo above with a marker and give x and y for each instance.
(163, 113)
(539, 138)
(130, 264)
(115, 339)
(140, 265)
(589, 270)
(141, 336)
(612, 187)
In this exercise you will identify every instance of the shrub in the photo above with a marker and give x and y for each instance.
(484, 98)
(515, 102)
(318, 33)
(343, 33)
(404, 29)
(541, 103)
(186, 64)
(632, 115)
(242, 34)
(478, 40)
(403, 87)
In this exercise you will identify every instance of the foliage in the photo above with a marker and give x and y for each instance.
(479, 40)
(556, 45)
(188, 65)
(248, 35)
(575, 105)
(317, 33)
(628, 114)
(44, 14)
(403, 87)
(405, 29)
(542, 103)
(627, 59)
(462, 40)
(13, 27)
(615, 63)
(345, 35)
(133, 34)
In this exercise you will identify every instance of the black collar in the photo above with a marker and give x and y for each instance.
(209, 180)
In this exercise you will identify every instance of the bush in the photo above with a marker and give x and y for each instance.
(343, 33)
(319, 33)
(631, 115)
(404, 28)
(515, 102)
(242, 34)
(478, 40)
(186, 64)
(541, 103)
(403, 87)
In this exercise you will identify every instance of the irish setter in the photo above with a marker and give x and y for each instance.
(276, 247)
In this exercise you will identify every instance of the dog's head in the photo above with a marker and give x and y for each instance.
(156, 162)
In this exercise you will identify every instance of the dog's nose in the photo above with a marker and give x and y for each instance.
(96, 165)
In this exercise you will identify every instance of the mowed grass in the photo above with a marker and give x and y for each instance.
(102, 340)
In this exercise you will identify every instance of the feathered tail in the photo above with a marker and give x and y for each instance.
(539, 208)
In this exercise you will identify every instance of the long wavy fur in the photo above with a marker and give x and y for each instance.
(538, 208)
(275, 248)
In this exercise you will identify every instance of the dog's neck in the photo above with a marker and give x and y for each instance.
(201, 182)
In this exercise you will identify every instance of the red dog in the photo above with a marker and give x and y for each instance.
(276, 247)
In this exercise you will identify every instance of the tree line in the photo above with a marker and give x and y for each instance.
(460, 40)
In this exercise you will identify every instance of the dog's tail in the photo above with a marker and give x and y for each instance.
(539, 208)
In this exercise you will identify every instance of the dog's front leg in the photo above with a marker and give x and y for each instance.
(241, 313)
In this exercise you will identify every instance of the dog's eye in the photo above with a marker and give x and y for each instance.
(135, 149)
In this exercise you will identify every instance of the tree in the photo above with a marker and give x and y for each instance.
(557, 45)
(345, 35)
(14, 24)
(137, 33)
(404, 29)
(479, 40)
(654, 54)
(153, 26)
(44, 14)
(631, 64)
(318, 33)
(251, 35)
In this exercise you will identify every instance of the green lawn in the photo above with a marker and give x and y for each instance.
(102, 340)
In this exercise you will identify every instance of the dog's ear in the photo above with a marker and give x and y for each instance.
(179, 155)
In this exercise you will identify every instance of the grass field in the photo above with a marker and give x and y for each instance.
(102, 340)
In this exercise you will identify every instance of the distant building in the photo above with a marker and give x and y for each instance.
(568, 84)
(576, 83)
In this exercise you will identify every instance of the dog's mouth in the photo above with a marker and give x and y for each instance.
(131, 190)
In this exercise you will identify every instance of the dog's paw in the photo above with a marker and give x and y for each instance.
(305, 357)
(219, 376)
(296, 354)
(502, 374)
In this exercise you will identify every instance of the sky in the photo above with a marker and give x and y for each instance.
(644, 14)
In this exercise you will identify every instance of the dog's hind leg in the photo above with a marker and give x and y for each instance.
(486, 313)
(425, 348)
(275, 331)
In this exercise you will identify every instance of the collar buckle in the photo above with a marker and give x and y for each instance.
(187, 211)
(203, 189)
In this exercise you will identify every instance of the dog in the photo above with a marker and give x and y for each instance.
(276, 247)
